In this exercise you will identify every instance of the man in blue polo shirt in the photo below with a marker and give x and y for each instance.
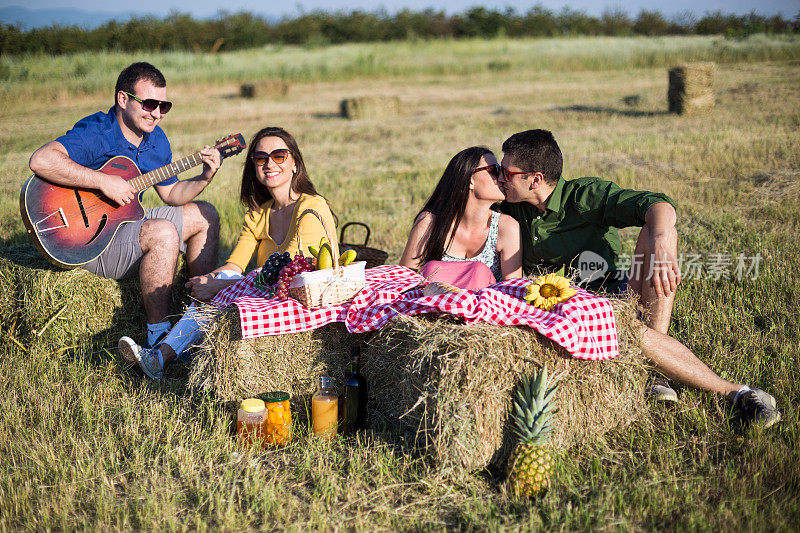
(151, 246)
(562, 221)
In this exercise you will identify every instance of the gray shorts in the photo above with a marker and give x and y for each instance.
(121, 258)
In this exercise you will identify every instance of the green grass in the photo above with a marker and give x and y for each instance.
(94, 72)
(87, 444)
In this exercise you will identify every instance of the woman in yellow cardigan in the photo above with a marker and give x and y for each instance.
(276, 189)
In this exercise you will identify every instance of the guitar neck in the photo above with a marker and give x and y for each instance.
(145, 181)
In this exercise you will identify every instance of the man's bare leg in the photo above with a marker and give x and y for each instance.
(677, 362)
(658, 309)
(201, 235)
(159, 241)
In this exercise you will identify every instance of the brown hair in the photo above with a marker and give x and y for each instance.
(536, 151)
(254, 193)
(134, 72)
(448, 201)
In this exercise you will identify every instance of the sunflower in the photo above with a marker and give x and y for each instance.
(547, 291)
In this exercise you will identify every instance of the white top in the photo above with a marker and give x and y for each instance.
(489, 256)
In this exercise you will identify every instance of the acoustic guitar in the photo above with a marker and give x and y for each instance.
(72, 226)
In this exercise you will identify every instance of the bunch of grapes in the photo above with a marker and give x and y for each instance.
(268, 277)
(298, 264)
(272, 269)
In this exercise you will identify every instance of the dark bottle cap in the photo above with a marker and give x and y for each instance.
(274, 396)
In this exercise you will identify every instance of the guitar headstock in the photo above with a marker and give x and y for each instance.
(231, 145)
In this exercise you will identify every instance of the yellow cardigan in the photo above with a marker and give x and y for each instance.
(255, 231)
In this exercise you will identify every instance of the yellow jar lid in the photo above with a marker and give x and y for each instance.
(253, 405)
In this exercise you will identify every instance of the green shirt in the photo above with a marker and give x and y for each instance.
(580, 215)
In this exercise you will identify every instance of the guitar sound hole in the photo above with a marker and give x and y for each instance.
(103, 222)
(83, 211)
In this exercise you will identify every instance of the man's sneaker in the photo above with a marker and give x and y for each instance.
(127, 349)
(658, 389)
(151, 362)
(757, 407)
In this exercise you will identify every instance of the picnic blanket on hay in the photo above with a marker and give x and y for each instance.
(584, 325)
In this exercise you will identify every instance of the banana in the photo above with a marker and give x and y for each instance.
(347, 257)
(325, 257)
(313, 250)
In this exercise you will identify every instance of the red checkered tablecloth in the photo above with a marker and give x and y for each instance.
(584, 324)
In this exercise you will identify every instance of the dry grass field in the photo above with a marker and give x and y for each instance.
(87, 444)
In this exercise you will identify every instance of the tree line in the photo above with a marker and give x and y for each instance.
(226, 31)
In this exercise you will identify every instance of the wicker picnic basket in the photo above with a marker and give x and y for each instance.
(372, 256)
(331, 286)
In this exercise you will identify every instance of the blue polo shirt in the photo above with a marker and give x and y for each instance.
(95, 139)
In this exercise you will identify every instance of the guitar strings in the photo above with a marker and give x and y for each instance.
(225, 151)
(103, 206)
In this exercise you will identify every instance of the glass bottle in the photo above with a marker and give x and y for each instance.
(325, 409)
(356, 390)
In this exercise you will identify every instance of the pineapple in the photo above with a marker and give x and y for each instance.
(530, 463)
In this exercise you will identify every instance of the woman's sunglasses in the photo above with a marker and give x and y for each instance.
(150, 104)
(279, 156)
(493, 170)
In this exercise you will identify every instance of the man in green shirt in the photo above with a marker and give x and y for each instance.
(571, 226)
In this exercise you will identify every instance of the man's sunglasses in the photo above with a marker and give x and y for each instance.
(507, 173)
(279, 156)
(494, 170)
(150, 104)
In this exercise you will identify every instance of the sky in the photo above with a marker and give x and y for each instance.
(208, 8)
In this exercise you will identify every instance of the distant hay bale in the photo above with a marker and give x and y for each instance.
(370, 107)
(691, 89)
(632, 100)
(444, 385)
(264, 89)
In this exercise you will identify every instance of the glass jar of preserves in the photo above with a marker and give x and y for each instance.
(278, 422)
(250, 420)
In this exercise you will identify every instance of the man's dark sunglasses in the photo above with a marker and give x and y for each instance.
(494, 170)
(278, 155)
(150, 104)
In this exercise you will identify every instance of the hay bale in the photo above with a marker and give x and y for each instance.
(443, 385)
(44, 306)
(264, 89)
(691, 88)
(370, 107)
(632, 100)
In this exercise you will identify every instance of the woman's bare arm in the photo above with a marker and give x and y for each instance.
(416, 241)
